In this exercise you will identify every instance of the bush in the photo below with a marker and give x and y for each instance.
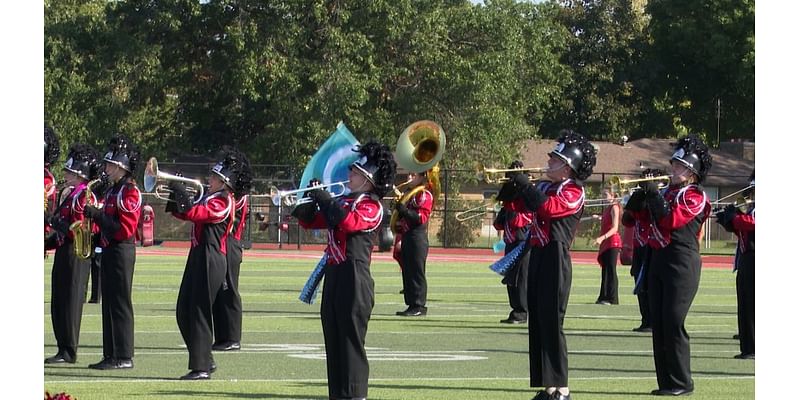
(459, 234)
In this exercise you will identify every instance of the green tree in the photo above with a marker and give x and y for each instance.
(707, 50)
(608, 95)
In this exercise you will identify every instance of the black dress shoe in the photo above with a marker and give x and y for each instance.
(413, 312)
(643, 329)
(672, 392)
(542, 395)
(745, 356)
(558, 396)
(603, 302)
(111, 363)
(60, 358)
(512, 321)
(227, 346)
(196, 376)
(736, 336)
(103, 364)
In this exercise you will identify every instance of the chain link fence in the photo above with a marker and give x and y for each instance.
(273, 224)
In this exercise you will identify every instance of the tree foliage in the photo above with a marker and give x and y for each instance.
(184, 77)
(707, 52)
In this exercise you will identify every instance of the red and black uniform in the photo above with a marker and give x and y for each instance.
(640, 262)
(557, 210)
(411, 247)
(348, 294)
(70, 272)
(50, 196)
(122, 208)
(514, 220)
(607, 257)
(227, 307)
(744, 225)
(677, 214)
(204, 275)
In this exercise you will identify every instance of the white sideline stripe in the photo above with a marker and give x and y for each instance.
(435, 316)
(470, 332)
(414, 379)
(437, 304)
(380, 353)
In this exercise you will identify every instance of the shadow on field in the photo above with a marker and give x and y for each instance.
(80, 372)
(615, 393)
(433, 387)
(229, 395)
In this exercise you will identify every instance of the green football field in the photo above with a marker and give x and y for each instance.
(459, 351)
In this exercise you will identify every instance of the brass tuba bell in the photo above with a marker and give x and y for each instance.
(419, 148)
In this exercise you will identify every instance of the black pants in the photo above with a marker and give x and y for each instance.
(95, 275)
(68, 282)
(516, 281)
(202, 282)
(609, 283)
(117, 306)
(414, 253)
(227, 309)
(348, 296)
(746, 302)
(673, 282)
(641, 257)
(549, 283)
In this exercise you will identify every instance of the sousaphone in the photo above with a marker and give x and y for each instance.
(419, 148)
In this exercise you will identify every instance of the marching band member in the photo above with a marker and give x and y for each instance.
(118, 220)
(411, 244)
(227, 308)
(557, 206)
(676, 216)
(610, 246)
(743, 223)
(51, 152)
(204, 276)
(348, 293)
(70, 272)
(641, 256)
(514, 220)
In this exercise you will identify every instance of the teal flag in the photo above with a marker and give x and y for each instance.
(331, 162)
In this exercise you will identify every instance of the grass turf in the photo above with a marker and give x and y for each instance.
(459, 351)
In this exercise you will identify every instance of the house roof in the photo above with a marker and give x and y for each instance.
(627, 160)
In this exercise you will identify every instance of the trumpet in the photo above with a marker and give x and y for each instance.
(154, 182)
(478, 211)
(629, 185)
(290, 197)
(490, 175)
(82, 230)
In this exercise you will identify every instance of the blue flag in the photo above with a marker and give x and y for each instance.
(331, 162)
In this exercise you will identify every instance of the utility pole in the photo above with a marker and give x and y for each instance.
(719, 111)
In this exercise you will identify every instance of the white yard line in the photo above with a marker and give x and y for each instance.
(408, 379)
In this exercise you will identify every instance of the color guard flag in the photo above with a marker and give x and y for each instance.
(330, 164)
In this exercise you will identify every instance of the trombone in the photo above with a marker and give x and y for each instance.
(478, 211)
(290, 197)
(746, 188)
(741, 203)
(629, 185)
(491, 175)
(154, 182)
